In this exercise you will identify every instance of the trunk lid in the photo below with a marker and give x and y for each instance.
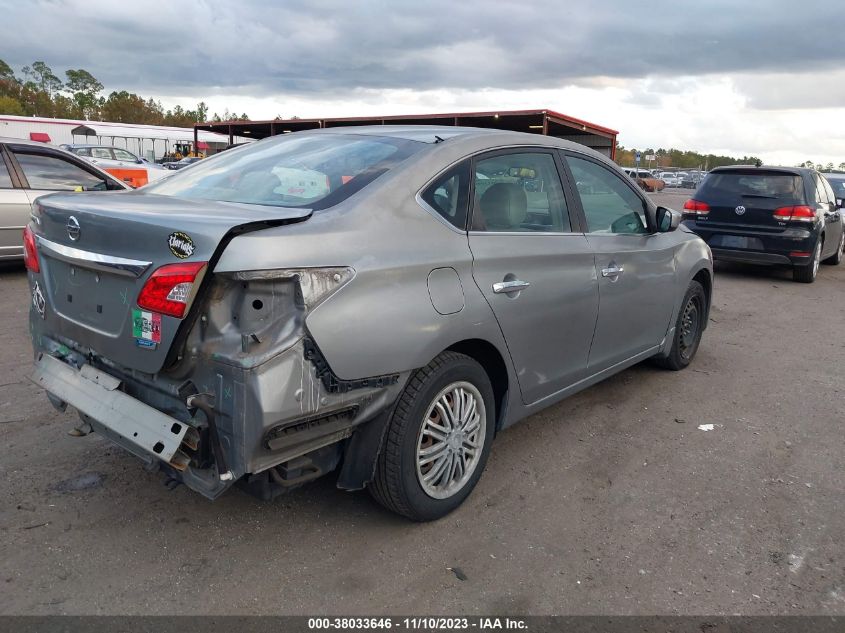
(98, 250)
(746, 200)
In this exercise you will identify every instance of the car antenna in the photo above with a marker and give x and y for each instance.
(438, 139)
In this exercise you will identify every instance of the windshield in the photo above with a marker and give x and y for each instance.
(314, 171)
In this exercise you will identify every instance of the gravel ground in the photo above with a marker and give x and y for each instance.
(611, 502)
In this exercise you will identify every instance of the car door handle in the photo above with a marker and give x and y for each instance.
(612, 271)
(505, 287)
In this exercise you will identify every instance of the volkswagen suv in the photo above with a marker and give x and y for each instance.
(769, 215)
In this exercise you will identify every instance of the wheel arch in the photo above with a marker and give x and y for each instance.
(361, 451)
(705, 278)
(488, 356)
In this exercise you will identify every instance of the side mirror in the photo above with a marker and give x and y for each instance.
(840, 203)
(667, 220)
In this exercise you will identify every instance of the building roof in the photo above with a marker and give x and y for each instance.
(124, 130)
(172, 134)
(538, 121)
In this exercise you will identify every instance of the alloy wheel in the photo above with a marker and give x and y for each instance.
(451, 440)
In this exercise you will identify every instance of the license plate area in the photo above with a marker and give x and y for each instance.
(739, 242)
(95, 299)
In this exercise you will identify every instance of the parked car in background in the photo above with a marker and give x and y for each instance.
(691, 180)
(645, 179)
(120, 163)
(30, 169)
(837, 183)
(769, 215)
(181, 164)
(381, 301)
(670, 179)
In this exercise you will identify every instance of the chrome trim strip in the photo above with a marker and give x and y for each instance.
(95, 261)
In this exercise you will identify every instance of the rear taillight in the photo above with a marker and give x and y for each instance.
(169, 288)
(30, 255)
(799, 213)
(696, 207)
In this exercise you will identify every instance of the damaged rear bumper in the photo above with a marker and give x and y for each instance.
(141, 429)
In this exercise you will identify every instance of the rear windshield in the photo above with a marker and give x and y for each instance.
(314, 171)
(757, 184)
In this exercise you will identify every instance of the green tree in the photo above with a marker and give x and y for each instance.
(41, 76)
(10, 105)
(6, 72)
(85, 90)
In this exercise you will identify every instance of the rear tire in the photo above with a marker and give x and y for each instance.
(836, 258)
(688, 329)
(445, 418)
(807, 274)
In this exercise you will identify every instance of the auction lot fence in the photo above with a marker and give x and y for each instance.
(484, 623)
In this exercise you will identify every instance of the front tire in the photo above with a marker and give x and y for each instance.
(438, 439)
(688, 329)
(807, 274)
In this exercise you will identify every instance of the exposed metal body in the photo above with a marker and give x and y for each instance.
(294, 378)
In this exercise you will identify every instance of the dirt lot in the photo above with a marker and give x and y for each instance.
(610, 502)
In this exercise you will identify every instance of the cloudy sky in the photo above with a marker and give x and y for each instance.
(740, 77)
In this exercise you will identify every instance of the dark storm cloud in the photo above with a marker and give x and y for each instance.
(321, 48)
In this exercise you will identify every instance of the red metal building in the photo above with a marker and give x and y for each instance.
(548, 122)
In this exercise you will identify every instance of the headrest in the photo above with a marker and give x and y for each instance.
(504, 205)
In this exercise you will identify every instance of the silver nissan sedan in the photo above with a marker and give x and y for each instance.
(379, 301)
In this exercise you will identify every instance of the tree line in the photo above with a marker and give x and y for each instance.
(676, 158)
(38, 91)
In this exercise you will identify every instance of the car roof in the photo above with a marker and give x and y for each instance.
(795, 171)
(80, 145)
(437, 133)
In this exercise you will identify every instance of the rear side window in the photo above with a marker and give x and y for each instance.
(101, 152)
(5, 179)
(52, 173)
(296, 170)
(761, 184)
(821, 192)
(519, 192)
(448, 195)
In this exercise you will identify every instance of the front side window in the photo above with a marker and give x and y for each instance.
(519, 192)
(53, 173)
(295, 170)
(448, 195)
(610, 205)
